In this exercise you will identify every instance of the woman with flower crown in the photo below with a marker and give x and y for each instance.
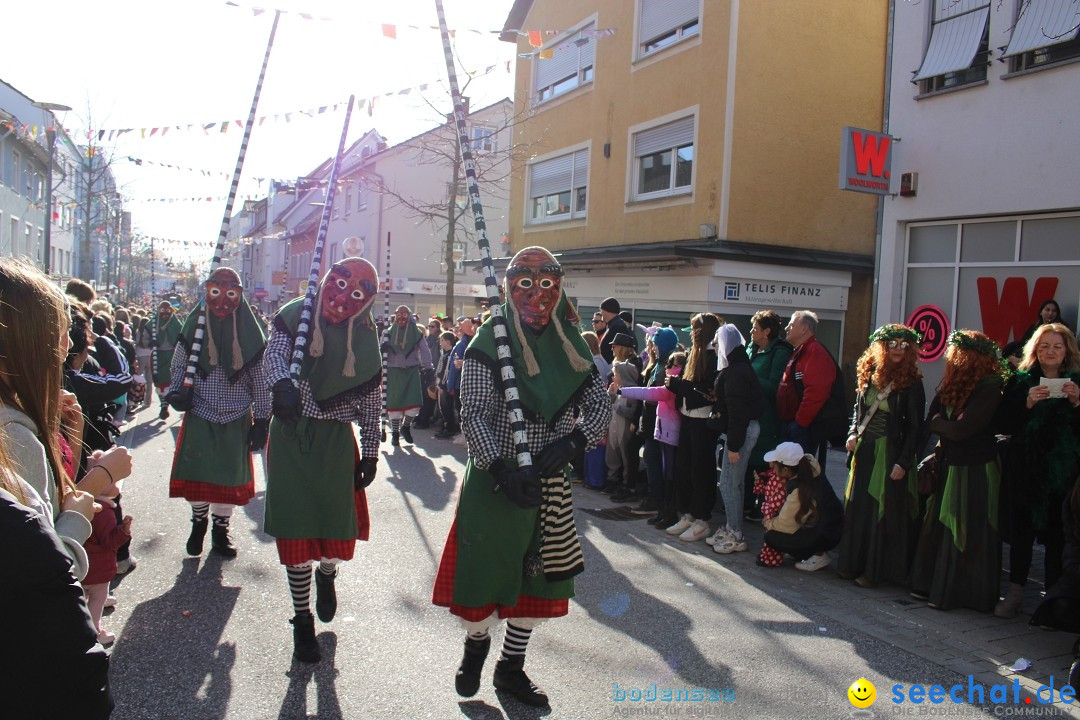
(882, 498)
(958, 558)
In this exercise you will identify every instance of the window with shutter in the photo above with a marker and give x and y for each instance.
(558, 188)
(959, 49)
(664, 159)
(566, 65)
(665, 22)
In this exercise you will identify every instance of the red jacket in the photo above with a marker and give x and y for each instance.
(102, 545)
(813, 366)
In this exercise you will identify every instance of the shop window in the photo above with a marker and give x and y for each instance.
(932, 244)
(988, 242)
(1050, 239)
(959, 49)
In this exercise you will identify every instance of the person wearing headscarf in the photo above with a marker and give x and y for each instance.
(164, 333)
(882, 497)
(226, 411)
(406, 356)
(513, 552)
(739, 405)
(316, 507)
(957, 559)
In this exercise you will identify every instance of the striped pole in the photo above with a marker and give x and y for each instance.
(219, 250)
(303, 332)
(284, 274)
(385, 353)
(502, 340)
(153, 323)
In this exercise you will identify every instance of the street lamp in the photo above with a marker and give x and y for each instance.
(50, 135)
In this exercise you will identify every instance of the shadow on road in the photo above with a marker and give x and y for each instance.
(170, 654)
(324, 674)
(511, 710)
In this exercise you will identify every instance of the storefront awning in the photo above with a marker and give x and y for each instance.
(1044, 23)
(953, 43)
(670, 255)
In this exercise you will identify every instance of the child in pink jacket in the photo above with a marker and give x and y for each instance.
(665, 434)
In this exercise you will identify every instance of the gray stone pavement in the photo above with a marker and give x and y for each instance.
(205, 638)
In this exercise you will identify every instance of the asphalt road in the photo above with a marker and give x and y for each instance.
(202, 638)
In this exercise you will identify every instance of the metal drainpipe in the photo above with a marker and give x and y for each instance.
(881, 200)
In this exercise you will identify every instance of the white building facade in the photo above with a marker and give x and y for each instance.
(983, 102)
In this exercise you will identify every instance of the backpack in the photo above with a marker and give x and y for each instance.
(834, 418)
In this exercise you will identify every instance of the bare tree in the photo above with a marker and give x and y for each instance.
(448, 213)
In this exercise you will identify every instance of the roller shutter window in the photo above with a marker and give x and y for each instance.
(665, 22)
(558, 188)
(664, 159)
(958, 37)
(569, 66)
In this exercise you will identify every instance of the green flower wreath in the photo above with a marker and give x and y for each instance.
(895, 331)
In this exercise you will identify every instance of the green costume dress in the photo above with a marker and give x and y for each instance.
(166, 338)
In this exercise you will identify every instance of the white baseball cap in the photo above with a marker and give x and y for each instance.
(787, 453)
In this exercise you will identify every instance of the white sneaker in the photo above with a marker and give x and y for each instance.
(105, 637)
(680, 527)
(814, 562)
(733, 543)
(698, 529)
(719, 536)
(110, 601)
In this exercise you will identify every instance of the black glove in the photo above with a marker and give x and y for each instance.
(385, 346)
(180, 399)
(257, 435)
(551, 460)
(286, 401)
(521, 487)
(364, 474)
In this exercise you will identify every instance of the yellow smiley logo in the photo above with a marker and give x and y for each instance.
(862, 693)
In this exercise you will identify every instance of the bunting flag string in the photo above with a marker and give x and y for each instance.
(222, 126)
(387, 30)
(536, 40)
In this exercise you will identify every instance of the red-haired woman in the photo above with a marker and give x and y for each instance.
(958, 558)
(1043, 458)
(882, 496)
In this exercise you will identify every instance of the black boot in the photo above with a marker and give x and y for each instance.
(325, 595)
(467, 681)
(195, 540)
(406, 433)
(394, 439)
(305, 647)
(164, 414)
(510, 676)
(220, 542)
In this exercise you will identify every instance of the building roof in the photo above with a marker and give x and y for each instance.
(515, 19)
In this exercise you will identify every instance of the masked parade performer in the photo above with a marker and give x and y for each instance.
(165, 333)
(316, 507)
(212, 467)
(513, 551)
(406, 355)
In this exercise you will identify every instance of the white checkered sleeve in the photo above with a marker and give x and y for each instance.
(487, 426)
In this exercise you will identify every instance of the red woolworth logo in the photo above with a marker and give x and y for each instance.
(865, 161)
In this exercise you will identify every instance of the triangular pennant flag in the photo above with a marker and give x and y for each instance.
(224, 127)
(389, 31)
(536, 39)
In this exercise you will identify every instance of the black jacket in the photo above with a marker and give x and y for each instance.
(903, 424)
(616, 326)
(53, 667)
(969, 438)
(696, 394)
(739, 398)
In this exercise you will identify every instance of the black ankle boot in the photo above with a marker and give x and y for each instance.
(325, 595)
(305, 647)
(164, 414)
(406, 433)
(510, 676)
(467, 681)
(394, 439)
(195, 539)
(220, 542)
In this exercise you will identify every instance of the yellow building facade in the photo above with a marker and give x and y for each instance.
(682, 155)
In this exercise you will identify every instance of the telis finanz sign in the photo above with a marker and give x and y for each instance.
(865, 161)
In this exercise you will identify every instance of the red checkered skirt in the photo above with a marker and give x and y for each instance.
(526, 606)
